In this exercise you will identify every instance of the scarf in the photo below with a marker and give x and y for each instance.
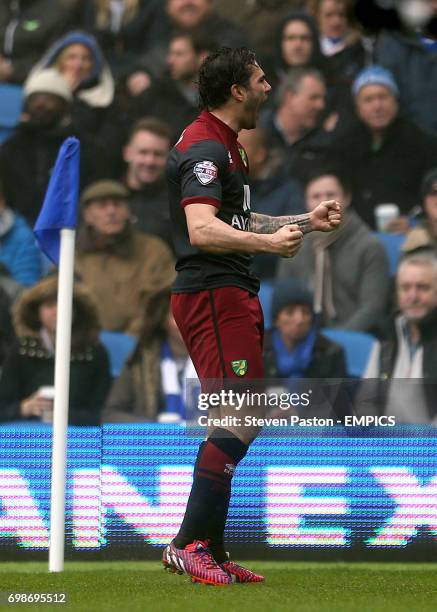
(323, 283)
(293, 364)
(173, 385)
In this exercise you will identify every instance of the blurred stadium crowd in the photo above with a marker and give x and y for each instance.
(352, 117)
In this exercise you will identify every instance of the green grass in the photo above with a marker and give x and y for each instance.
(297, 587)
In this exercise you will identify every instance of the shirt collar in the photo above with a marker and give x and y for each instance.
(219, 123)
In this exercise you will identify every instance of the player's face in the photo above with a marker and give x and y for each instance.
(297, 43)
(47, 312)
(256, 94)
(332, 18)
(417, 290)
(324, 188)
(107, 216)
(182, 60)
(376, 106)
(294, 322)
(146, 156)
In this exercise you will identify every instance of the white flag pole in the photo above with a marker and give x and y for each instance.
(62, 387)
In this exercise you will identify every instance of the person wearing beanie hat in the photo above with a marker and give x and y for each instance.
(48, 81)
(122, 267)
(294, 348)
(424, 235)
(375, 75)
(383, 152)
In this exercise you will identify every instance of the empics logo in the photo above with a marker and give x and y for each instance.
(205, 172)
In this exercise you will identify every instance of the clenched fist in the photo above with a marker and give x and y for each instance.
(286, 241)
(326, 216)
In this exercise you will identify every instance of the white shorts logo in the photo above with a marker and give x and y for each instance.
(205, 172)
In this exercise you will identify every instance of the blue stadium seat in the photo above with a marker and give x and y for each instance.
(119, 347)
(265, 297)
(357, 347)
(392, 244)
(11, 99)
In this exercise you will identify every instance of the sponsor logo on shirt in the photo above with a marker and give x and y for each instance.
(205, 172)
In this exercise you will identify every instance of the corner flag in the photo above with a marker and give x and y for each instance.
(59, 209)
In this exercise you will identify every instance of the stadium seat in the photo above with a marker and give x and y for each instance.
(119, 347)
(392, 244)
(357, 347)
(265, 297)
(11, 98)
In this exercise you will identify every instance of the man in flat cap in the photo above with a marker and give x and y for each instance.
(121, 266)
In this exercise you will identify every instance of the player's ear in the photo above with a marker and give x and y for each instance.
(238, 92)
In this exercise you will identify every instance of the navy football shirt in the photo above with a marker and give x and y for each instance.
(208, 166)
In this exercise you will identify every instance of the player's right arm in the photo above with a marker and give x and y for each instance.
(209, 233)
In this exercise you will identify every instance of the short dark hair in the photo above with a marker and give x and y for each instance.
(221, 70)
(153, 125)
(329, 169)
(199, 37)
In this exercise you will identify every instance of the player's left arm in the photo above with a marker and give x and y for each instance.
(324, 218)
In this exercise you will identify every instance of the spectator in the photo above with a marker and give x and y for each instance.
(174, 98)
(410, 54)
(30, 363)
(152, 382)
(295, 348)
(188, 15)
(79, 59)
(294, 128)
(121, 267)
(342, 46)
(385, 154)
(424, 235)
(7, 335)
(19, 255)
(297, 44)
(146, 156)
(124, 29)
(272, 192)
(27, 158)
(348, 271)
(27, 27)
(409, 350)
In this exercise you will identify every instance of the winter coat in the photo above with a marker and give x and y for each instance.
(377, 384)
(150, 211)
(359, 272)
(19, 253)
(327, 360)
(123, 275)
(393, 173)
(415, 72)
(27, 160)
(29, 365)
(28, 29)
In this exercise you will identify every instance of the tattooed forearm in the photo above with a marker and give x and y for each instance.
(265, 224)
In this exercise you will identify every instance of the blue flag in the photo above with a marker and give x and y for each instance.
(59, 209)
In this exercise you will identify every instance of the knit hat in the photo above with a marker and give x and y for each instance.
(429, 182)
(104, 189)
(375, 75)
(289, 291)
(48, 81)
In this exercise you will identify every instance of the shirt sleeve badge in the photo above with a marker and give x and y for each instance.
(206, 172)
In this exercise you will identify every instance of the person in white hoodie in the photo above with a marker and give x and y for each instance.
(79, 59)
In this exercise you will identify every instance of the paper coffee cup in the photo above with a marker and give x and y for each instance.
(384, 213)
(49, 394)
(168, 417)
